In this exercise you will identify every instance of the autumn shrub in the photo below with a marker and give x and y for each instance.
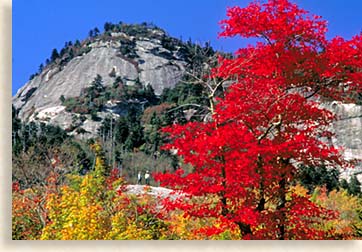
(27, 215)
(348, 225)
(97, 207)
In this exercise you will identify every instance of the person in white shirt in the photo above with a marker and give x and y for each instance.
(139, 178)
(147, 178)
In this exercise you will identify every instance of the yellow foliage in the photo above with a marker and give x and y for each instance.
(90, 210)
(75, 215)
(299, 190)
(349, 207)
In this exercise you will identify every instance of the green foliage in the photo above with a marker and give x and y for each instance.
(38, 148)
(353, 187)
(161, 111)
(84, 50)
(32, 134)
(108, 26)
(358, 226)
(94, 97)
(41, 67)
(186, 96)
(137, 30)
(127, 48)
(310, 177)
(153, 139)
(62, 99)
(135, 137)
(184, 93)
(77, 43)
(16, 128)
(54, 55)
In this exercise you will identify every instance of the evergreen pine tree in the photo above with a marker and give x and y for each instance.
(54, 55)
(354, 186)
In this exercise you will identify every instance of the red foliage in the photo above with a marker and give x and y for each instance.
(15, 187)
(113, 177)
(267, 123)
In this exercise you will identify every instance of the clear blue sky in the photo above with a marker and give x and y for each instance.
(41, 25)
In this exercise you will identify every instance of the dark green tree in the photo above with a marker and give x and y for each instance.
(96, 31)
(121, 130)
(71, 53)
(135, 138)
(149, 95)
(310, 177)
(354, 186)
(344, 184)
(16, 128)
(108, 26)
(41, 67)
(152, 135)
(62, 52)
(54, 55)
(77, 43)
(95, 88)
(97, 84)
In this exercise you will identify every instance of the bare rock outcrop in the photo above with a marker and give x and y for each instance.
(153, 65)
(348, 132)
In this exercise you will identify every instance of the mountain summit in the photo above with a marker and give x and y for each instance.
(139, 56)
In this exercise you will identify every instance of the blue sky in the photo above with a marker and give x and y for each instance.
(41, 25)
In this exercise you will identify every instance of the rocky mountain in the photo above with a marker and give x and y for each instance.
(137, 56)
(133, 54)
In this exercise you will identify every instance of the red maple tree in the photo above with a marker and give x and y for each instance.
(270, 120)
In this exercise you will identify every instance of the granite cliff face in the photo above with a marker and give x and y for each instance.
(348, 132)
(150, 64)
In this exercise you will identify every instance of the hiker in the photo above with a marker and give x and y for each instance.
(147, 178)
(139, 178)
